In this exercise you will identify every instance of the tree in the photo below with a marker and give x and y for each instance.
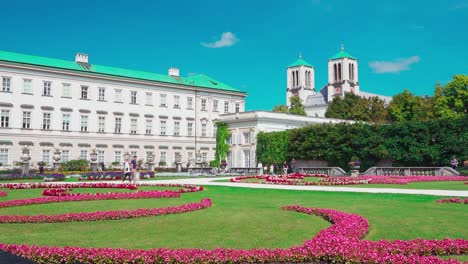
(280, 108)
(296, 108)
(452, 100)
(353, 107)
(222, 145)
(406, 106)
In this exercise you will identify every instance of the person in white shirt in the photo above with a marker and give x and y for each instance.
(127, 171)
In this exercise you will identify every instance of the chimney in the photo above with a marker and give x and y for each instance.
(81, 57)
(174, 72)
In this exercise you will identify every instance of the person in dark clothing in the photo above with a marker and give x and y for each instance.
(134, 166)
(275, 166)
(293, 165)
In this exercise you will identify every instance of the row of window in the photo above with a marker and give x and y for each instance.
(84, 154)
(241, 158)
(118, 95)
(242, 138)
(101, 124)
(295, 75)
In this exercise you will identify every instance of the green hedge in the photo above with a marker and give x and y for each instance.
(430, 143)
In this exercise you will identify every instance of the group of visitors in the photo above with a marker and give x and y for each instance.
(130, 169)
(275, 168)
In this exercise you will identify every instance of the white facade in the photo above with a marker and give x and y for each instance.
(245, 126)
(47, 108)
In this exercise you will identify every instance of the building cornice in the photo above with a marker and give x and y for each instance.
(119, 79)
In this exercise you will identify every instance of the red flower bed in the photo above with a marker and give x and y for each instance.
(3, 194)
(297, 179)
(337, 244)
(453, 200)
(60, 193)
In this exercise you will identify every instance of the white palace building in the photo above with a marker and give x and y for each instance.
(77, 106)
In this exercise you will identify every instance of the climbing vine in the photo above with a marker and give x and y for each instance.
(222, 145)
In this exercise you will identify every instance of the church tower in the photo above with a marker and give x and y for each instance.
(301, 80)
(342, 75)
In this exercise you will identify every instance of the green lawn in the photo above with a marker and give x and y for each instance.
(239, 218)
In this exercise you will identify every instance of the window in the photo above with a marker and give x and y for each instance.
(189, 102)
(118, 156)
(83, 155)
(237, 107)
(118, 95)
(163, 127)
(46, 156)
(176, 128)
(84, 92)
(84, 123)
(65, 155)
(226, 107)
(133, 126)
(246, 137)
(149, 98)
(189, 129)
(215, 106)
(27, 86)
(176, 101)
(47, 87)
(203, 104)
(4, 156)
(102, 94)
(100, 156)
(246, 158)
(118, 125)
(133, 97)
(26, 119)
(163, 156)
(6, 84)
(204, 156)
(5, 118)
(162, 99)
(66, 90)
(66, 122)
(101, 124)
(203, 129)
(148, 127)
(133, 154)
(46, 121)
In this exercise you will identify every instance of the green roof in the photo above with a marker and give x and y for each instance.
(300, 62)
(199, 80)
(342, 54)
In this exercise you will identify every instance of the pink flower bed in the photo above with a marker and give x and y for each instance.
(453, 200)
(3, 194)
(60, 193)
(337, 244)
(297, 179)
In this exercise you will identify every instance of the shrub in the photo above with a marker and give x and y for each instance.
(75, 165)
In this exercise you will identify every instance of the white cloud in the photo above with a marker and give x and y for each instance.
(227, 39)
(395, 66)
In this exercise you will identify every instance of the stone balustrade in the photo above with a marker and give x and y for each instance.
(330, 171)
(411, 171)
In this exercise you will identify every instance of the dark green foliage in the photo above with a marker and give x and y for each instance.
(353, 107)
(74, 165)
(271, 147)
(280, 108)
(296, 107)
(429, 143)
(222, 145)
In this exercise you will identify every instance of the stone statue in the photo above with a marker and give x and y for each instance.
(150, 160)
(56, 158)
(25, 158)
(93, 160)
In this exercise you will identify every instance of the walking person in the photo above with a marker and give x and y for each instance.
(293, 165)
(454, 163)
(275, 167)
(127, 171)
(272, 170)
(285, 168)
(134, 166)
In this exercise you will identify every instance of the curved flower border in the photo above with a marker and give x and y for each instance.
(337, 244)
(59, 193)
(457, 200)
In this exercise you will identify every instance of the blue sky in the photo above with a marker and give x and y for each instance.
(399, 44)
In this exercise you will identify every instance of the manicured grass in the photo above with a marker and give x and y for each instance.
(239, 218)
